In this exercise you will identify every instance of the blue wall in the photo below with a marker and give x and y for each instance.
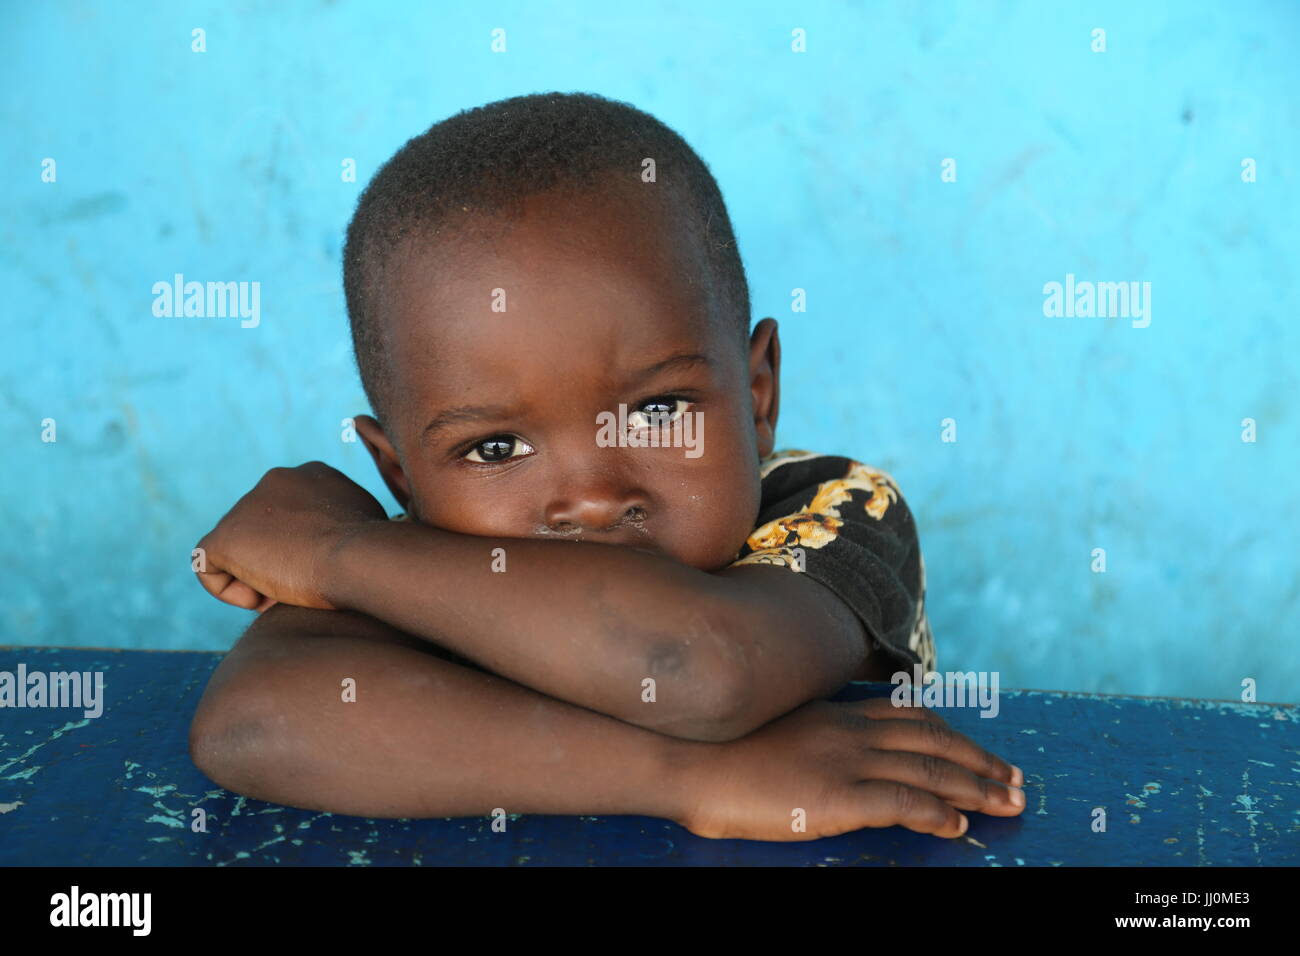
(1072, 433)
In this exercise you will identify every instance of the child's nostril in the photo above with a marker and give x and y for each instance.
(558, 527)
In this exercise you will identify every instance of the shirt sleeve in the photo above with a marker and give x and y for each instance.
(847, 526)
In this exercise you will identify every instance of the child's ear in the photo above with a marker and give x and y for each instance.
(765, 383)
(386, 460)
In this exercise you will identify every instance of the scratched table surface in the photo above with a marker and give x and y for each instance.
(1181, 783)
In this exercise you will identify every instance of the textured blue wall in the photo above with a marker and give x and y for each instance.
(925, 297)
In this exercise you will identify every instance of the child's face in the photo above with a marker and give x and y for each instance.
(496, 413)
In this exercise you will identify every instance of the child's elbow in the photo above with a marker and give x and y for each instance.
(713, 731)
(728, 704)
(207, 752)
(228, 746)
(737, 718)
(721, 706)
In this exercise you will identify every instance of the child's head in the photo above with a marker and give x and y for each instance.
(520, 269)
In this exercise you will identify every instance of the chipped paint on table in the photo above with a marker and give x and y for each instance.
(1181, 783)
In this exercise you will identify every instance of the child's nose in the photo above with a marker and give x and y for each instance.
(595, 505)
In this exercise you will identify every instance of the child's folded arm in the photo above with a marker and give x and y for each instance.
(630, 634)
(423, 737)
(426, 737)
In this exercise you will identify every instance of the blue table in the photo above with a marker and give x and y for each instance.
(1182, 783)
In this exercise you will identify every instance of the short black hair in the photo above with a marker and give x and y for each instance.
(486, 160)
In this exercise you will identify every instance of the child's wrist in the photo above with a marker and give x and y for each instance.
(335, 581)
(684, 764)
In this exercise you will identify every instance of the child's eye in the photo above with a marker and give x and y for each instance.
(657, 412)
(498, 448)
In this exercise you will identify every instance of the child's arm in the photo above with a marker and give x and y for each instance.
(591, 623)
(587, 623)
(426, 737)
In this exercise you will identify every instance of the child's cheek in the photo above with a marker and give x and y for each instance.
(710, 528)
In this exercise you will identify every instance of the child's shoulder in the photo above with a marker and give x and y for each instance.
(845, 524)
(826, 481)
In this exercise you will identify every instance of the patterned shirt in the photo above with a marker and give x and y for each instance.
(846, 526)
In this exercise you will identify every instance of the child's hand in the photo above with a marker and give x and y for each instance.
(272, 543)
(846, 766)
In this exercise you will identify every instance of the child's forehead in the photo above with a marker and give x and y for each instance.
(531, 319)
(576, 264)
(613, 227)
(566, 308)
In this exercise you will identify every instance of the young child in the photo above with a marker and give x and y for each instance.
(612, 595)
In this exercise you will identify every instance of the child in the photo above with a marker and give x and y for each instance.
(612, 595)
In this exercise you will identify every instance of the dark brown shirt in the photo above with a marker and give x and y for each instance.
(846, 526)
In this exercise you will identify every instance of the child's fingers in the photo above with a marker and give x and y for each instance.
(241, 595)
(935, 737)
(214, 582)
(887, 803)
(226, 587)
(267, 604)
(943, 778)
(883, 708)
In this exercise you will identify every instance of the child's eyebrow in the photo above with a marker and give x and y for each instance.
(463, 414)
(460, 415)
(674, 363)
